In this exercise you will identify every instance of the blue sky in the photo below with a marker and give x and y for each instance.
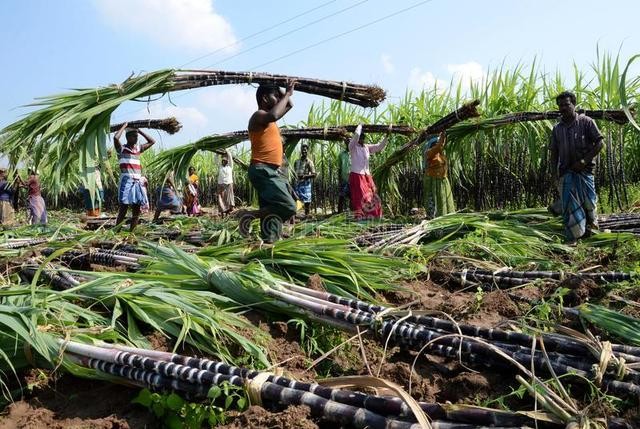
(49, 46)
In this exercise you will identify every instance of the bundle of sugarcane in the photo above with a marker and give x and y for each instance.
(404, 130)
(362, 95)
(194, 377)
(417, 336)
(462, 130)
(178, 159)
(83, 259)
(17, 243)
(396, 236)
(553, 342)
(619, 221)
(56, 276)
(168, 125)
(516, 278)
(466, 111)
(252, 284)
(376, 233)
(114, 245)
(292, 299)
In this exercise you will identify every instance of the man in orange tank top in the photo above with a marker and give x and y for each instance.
(276, 203)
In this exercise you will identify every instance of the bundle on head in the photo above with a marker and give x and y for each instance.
(362, 95)
(462, 130)
(466, 111)
(169, 125)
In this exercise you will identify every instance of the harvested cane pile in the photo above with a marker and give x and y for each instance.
(476, 346)
(621, 222)
(509, 278)
(168, 125)
(183, 295)
(194, 377)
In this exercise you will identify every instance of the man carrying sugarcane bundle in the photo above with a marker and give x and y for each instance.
(344, 168)
(226, 198)
(36, 208)
(438, 198)
(575, 143)
(365, 201)
(276, 203)
(130, 192)
(6, 199)
(305, 173)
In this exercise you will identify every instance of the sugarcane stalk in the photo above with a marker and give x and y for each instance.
(386, 406)
(169, 125)
(332, 411)
(419, 336)
(362, 95)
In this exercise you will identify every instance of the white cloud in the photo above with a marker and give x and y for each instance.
(237, 100)
(190, 117)
(467, 72)
(420, 80)
(388, 66)
(187, 24)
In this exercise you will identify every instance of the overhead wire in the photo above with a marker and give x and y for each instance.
(257, 33)
(328, 39)
(288, 33)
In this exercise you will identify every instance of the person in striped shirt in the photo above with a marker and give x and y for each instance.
(130, 191)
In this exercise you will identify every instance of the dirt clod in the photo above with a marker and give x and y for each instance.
(24, 416)
(295, 417)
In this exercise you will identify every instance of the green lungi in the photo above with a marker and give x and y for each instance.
(438, 196)
(273, 196)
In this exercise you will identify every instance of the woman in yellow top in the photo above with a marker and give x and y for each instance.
(437, 189)
(191, 193)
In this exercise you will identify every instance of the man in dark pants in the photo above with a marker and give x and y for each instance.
(575, 142)
(276, 203)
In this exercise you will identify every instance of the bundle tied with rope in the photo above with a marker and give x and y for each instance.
(361, 95)
(616, 116)
(169, 125)
(466, 111)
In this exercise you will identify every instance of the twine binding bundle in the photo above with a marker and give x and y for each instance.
(168, 125)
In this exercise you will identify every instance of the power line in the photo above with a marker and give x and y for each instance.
(313, 45)
(297, 51)
(302, 27)
(258, 33)
(265, 43)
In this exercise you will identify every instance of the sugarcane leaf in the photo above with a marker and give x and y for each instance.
(143, 398)
(175, 402)
(214, 392)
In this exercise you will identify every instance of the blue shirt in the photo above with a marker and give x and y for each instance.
(6, 193)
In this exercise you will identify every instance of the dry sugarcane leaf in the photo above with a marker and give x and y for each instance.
(360, 381)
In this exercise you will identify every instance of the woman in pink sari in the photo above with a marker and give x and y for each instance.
(365, 202)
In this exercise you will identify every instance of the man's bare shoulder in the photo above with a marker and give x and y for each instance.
(256, 122)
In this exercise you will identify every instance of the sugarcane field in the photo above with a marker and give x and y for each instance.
(326, 214)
